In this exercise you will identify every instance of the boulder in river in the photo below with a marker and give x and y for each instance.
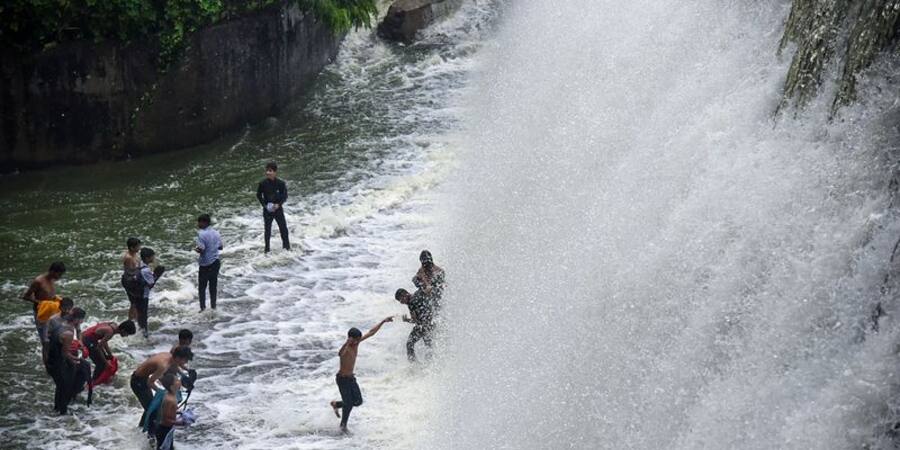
(406, 17)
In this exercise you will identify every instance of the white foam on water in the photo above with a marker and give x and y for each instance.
(268, 356)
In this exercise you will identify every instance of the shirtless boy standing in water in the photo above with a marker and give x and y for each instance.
(43, 287)
(346, 381)
(131, 265)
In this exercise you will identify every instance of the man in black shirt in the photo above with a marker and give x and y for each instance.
(421, 315)
(272, 193)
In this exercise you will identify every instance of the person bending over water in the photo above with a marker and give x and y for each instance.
(346, 380)
(146, 374)
(96, 339)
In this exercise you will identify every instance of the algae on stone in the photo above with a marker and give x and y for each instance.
(874, 30)
(859, 30)
(814, 25)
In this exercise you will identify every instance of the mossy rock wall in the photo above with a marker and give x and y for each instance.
(82, 102)
(856, 32)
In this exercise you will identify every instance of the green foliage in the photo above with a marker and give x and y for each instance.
(30, 25)
(341, 15)
(26, 25)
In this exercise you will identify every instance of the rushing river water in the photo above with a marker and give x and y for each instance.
(640, 255)
(360, 159)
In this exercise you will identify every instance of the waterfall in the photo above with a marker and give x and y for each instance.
(642, 256)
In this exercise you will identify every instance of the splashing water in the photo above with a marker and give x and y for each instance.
(643, 257)
(640, 256)
(360, 160)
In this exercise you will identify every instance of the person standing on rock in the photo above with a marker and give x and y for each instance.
(209, 243)
(272, 193)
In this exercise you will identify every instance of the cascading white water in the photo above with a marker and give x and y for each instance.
(642, 257)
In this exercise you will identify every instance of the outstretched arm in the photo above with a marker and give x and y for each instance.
(375, 329)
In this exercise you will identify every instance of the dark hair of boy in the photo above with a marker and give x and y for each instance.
(185, 335)
(272, 165)
(183, 351)
(167, 380)
(77, 313)
(57, 267)
(204, 218)
(132, 242)
(354, 333)
(147, 253)
(127, 328)
(66, 303)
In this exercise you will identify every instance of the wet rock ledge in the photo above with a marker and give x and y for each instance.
(406, 17)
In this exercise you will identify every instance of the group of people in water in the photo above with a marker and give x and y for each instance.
(66, 349)
(158, 381)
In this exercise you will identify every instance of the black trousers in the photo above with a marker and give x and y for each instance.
(141, 390)
(278, 216)
(69, 379)
(350, 396)
(209, 275)
(160, 434)
(419, 332)
(63, 375)
(143, 306)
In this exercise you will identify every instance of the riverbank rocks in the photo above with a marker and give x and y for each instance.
(406, 17)
(83, 101)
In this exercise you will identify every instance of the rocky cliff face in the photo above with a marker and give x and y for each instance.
(856, 31)
(83, 102)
